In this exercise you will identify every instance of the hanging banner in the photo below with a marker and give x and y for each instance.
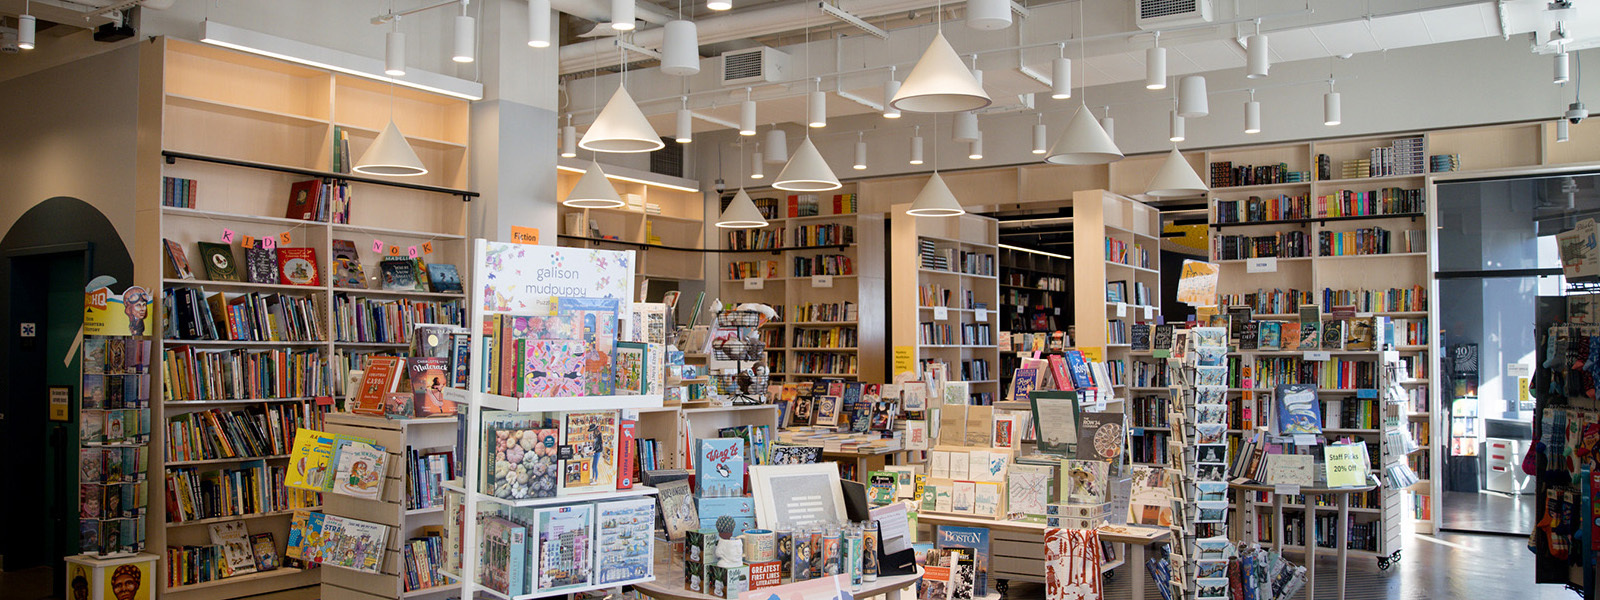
(518, 276)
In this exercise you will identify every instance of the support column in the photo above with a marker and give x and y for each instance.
(513, 162)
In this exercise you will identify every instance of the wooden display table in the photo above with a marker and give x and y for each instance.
(668, 585)
(1017, 549)
(1341, 496)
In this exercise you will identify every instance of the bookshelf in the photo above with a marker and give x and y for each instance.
(1123, 274)
(664, 214)
(830, 317)
(1036, 296)
(244, 129)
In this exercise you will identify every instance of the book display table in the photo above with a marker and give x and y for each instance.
(871, 460)
(1341, 498)
(1017, 548)
(896, 587)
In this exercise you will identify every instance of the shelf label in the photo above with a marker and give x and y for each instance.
(1149, 313)
(1122, 309)
(755, 283)
(1019, 310)
(1305, 439)
(1286, 489)
(1135, 431)
(1318, 356)
(1367, 393)
(983, 314)
(941, 313)
(456, 395)
(525, 235)
(822, 281)
(1261, 265)
(1519, 370)
(1058, 311)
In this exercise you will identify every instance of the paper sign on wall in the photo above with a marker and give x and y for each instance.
(525, 235)
(412, 252)
(283, 238)
(903, 359)
(60, 403)
(1093, 353)
(427, 247)
(1519, 370)
(1261, 265)
(822, 281)
(755, 283)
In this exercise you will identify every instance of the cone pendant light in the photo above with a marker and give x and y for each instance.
(621, 127)
(390, 154)
(935, 200)
(806, 171)
(1084, 143)
(593, 191)
(741, 213)
(1176, 178)
(940, 83)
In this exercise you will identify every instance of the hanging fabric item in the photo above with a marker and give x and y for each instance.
(1072, 564)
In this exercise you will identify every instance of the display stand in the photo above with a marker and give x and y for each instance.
(131, 577)
(895, 587)
(1018, 548)
(1341, 540)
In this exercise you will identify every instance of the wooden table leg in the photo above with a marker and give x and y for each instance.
(1310, 540)
(1136, 574)
(1344, 539)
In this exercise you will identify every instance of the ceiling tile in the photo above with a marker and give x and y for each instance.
(1346, 38)
(1400, 31)
(1296, 44)
(1214, 54)
(1460, 23)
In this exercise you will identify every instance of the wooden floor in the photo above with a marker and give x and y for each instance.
(1488, 512)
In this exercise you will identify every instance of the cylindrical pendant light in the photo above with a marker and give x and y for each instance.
(685, 124)
(394, 52)
(806, 171)
(1330, 106)
(719, 4)
(966, 127)
(594, 190)
(1563, 68)
(1041, 138)
(890, 88)
(390, 154)
(1109, 125)
(861, 153)
(539, 23)
(817, 109)
(1061, 78)
(940, 83)
(1175, 127)
(756, 171)
(741, 213)
(1562, 131)
(1084, 143)
(1192, 100)
(621, 127)
(26, 26)
(975, 147)
(935, 200)
(1155, 66)
(1259, 61)
(916, 147)
(466, 30)
(569, 139)
(988, 15)
(777, 146)
(1176, 178)
(1252, 114)
(622, 15)
(747, 115)
(680, 48)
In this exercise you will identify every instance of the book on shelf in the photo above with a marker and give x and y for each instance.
(237, 556)
(178, 192)
(346, 270)
(304, 197)
(177, 262)
(353, 543)
(219, 262)
(298, 266)
(261, 263)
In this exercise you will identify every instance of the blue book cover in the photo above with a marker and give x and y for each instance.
(719, 467)
(852, 394)
(1297, 409)
(972, 538)
(1079, 366)
(742, 509)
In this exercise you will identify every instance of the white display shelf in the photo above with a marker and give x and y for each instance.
(578, 403)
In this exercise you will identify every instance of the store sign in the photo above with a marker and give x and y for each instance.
(1261, 265)
(822, 281)
(755, 283)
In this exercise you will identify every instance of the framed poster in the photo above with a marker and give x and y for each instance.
(1055, 419)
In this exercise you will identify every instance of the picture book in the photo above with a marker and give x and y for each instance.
(261, 264)
(178, 261)
(266, 551)
(1362, 334)
(827, 410)
(353, 544)
(677, 508)
(361, 469)
(442, 277)
(219, 262)
(298, 266)
(304, 197)
(881, 487)
(234, 539)
(347, 270)
(429, 377)
(719, 467)
(1297, 410)
(1333, 334)
(564, 538)
(399, 275)
(1271, 335)
(632, 360)
(1101, 436)
(382, 376)
(1289, 337)
(505, 555)
(1084, 481)
(1029, 492)
(592, 438)
(309, 462)
(973, 539)
(626, 532)
(1023, 381)
(303, 546)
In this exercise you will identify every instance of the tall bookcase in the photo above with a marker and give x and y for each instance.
(922, 317)
(664, 215)
(244, 128)
(1036, 296)
(831, 321)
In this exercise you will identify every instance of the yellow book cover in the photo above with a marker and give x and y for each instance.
(308, 462)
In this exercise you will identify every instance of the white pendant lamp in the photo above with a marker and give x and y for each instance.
(861, 153)
(1330, 107)
(1155, 66)
(890, 88)
(1041, 139)
(988, 15)
(1563, 132)
(1109, 125)
(806, 171)
(756, 171)
(27, 24)
(685, 124)
(1061, 77)
(940, 83)
(390, 154)
(465, 44)
(1252, 114)
(621, 128)
(818, 107)
(394, 51)
(1563, 68)
(747, 115)
(966, 127)
(1192, 101)
(719, 4)
(1084, 143)
(680, 48)
(741, 213)
(593, 190)
(569, 139)
(975, 148)
(1175, 127)
(622, 15)
(539, 23)
(916, 147)
(1176, 178)
(1259, 60)
(935, 200)
(777, 146)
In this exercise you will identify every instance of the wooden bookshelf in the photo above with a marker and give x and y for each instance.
(1103, 222)
(672, 228)
(245, 128)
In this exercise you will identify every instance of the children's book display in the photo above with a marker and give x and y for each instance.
(347, 465)
(113, 449)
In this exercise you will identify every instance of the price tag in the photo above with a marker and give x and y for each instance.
(941, 313)
(1305, 439)
(1122, 309)
(822, 281)
(755, 283)
(1149, 313)
(1261, 265)
(1286, 489)
(1519, 370)
(983, 314)
(1318, 356)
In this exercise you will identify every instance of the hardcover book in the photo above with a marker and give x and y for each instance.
(261, 264)
(399, 275)
(1162, 338)
(219, 262)
(266, 551)
(1023, 382)
(361, 469)
(1310, 328)
(429, 377)
(304, 196)
(1271, 335)
(298, 266)
(677, 508)
(1139, 336)
(443, 278)
(178, 261)
(1333, 334)
(1290, 337)
(1101, 436)
(382, 376)
(347, 270)
(719, 467)
(827, 410)
(234, 540)
(1297, 409)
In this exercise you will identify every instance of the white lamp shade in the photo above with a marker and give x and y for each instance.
(26, 26)
(975, 148)
(1192, 101)
(1330, 109)
(390, 154)
(465, 45)
(1175, 127)
(569, 141)
(940, 83)
(1259, 61)
(861, 156)
(719, 4)
(622, 15)
(966, 128)
(741, 213)
(394, 54)
(817, 106)
(1563, 132)
(916, 150)
(747, 117)
(1109, 125)
(1155, 68)
(935, 200)
(593, 190)
(1563, 68)
(1061, 78)
(1041, 139)
(1084, 143)
(777, 146)
(806, 171)
(1252, 117)
(1176, 178)
(621, 128)
(755, 167)
(680, 48)
(890, 88)
(988, 15)
(539, 23)
(685, 126)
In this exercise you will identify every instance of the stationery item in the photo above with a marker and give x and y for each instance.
(1055, 421)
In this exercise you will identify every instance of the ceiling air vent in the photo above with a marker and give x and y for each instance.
(755, 65)
(1158, 14)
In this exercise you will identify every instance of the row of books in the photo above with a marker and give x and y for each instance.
(977, 334)
(1150, 447)
(113, 464)
(825, 311)
(831, 337)
(1117, 291)
(1225, 174)
(238, 374)
(828, 234)
(771, 338)
(1043, 282)
(255, 431)
(976, 369)
(1035, 341)
(117, 390)
(1117, 369)
(1363, 535)
(252, 488)
(808, 205)
(1368, 241)
(546, 550)
(1149, 374)
(118, 426)
(1149, 411)
(935, 334)
(525, 460)
(1117, 332)
(822, 264)
(111, 536)
(929, 256)
(1414, 299)
(1421, 464)
(251, 317)
(377, 320)
(179, 192)
(554, 356)
(1024, 298)
(1351, 413)
(1343, 203)
(1339, 374)
(1255, 209)
(1124, 253)
(1273, 302)
(745, 269)
(825, 363)
(106, 501)
(421, 558)
(426, 473)
(322, 201)
(1284, 244)
(755, 239)
(933, 294)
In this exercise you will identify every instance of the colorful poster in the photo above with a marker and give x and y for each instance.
(107, 313)
(1197, 284)
(520, 277)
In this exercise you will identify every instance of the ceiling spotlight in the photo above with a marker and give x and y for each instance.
(1061, 76)
(466, 31)
(719, 4)
(755, 165)
(988, 15)
(680, 48)
(1192, 100)
(1259, 60)
(861, 153)
(1175, 127)
(1041, 137)
(26, 24)
(622, 15)
(539, 23)
(1330, 106)
(1109, 125)
(777, 145)
(1155, 66)
(569, 139)
(818, 107)
(890, 88)
(1252, 114)
(966, 127)
(685, 123)
(394, 51)
(916, 146)
(1563, 68)
(975, 148)
(747, 115)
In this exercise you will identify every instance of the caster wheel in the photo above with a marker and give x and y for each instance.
(1383, 563)
(1000, 586)
(1110, 575)
(1396, 557)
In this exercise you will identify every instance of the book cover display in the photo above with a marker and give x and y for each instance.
(719, 467)
(589, 445)
(564, 541)
(113, 430)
